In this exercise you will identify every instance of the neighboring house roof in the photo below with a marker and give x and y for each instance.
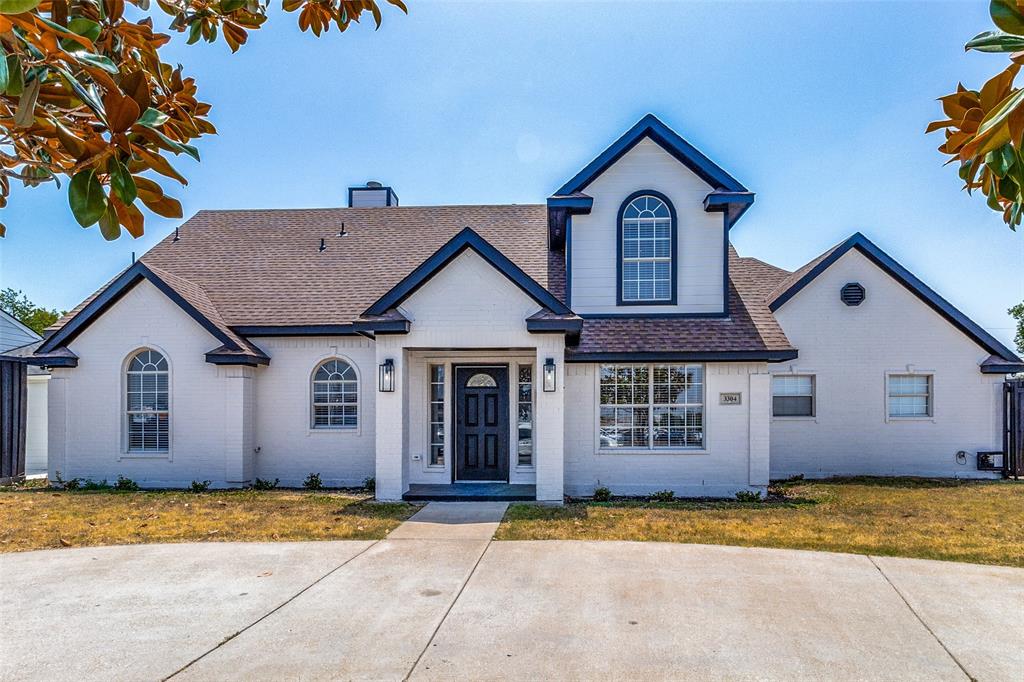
(1005, 360)
(13, 332)
(750, 332)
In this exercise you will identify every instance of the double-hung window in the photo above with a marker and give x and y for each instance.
(793, 395)
(646, 241)
(651, 406)
(910, 396)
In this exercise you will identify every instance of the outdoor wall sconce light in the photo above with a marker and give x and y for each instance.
(386, 382)
(549, 375)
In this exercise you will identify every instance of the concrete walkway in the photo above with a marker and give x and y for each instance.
(439, 600)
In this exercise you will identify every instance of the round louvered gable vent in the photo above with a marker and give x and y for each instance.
(852, 294)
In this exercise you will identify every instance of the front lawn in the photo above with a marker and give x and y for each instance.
(980, 522)
(39, 518)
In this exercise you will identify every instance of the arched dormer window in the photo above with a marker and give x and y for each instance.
(335, 396)
(647, 250)
(147, 408)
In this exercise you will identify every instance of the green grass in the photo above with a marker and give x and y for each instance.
(34, 517)
(955, 520)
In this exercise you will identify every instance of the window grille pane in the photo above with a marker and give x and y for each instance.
(335, 396)
(646, 250)
(436, 415)
(524, 448)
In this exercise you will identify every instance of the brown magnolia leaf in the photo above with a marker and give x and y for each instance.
(165, 206)
(122, 111)
(159, 164)
(74, 146)
(129, 216)
(136, 86)
(998, 87)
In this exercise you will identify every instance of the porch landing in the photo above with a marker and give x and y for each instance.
(470, 492)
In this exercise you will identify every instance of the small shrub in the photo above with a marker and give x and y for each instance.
(200, 486)
(313, 482)
(749, 495)
(370, 484)
(263, 484)
(663, 496)
(602, 494)
(89, 484)
(70, 484)
(125, 483)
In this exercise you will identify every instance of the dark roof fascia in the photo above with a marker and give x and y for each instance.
(248, 359)
(888, 265)
(1002, 368)
(60, 358)
(297, 330)
(651, 127)
(382, 326)
(733, 204)
(572, 327)
(466, 239)
(574, 203)
(118, 288)
(686, 356)
(653, 316)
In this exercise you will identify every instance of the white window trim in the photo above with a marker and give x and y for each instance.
(814, 395)
(356, 430)
(650, 449)
(125, 452)
(932, 389)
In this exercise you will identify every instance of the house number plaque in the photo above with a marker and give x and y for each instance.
(729, 398)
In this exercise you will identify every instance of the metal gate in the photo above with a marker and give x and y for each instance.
(1013, 424)
(13, 418)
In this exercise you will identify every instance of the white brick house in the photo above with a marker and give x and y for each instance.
(611, 336)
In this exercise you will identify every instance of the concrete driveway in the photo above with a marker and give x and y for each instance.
(439, 600)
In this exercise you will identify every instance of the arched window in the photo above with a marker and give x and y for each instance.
(335, 396)
(147, 405)
(647, 250)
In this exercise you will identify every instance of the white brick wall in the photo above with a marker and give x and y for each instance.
(701, 260)
(850, 350)
(86, 416)
(288, 448)
(735, 457)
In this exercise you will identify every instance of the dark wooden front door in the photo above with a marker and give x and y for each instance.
(481, 423)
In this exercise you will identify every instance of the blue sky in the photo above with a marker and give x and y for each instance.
(819, 108)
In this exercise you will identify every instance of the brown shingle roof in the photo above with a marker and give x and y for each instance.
(264, 267)
(750, 326)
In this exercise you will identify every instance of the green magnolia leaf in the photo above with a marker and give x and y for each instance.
(121, 182)
(85, 28)
(98, 61)
(110, 228)
(228, 6)
(1006, 16)
(152, 118)
(178, 147)
(85, 194)
(15, 76)
(24, 115)
(3, 69)
(194, 32)
(85, 94)
(995, 41)
(17, 6)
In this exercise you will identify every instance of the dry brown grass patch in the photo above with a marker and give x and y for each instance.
(978, 521)
(42, 518)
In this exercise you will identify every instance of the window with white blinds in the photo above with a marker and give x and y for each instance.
(910, 395)
(793, 395)
(147, 407)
